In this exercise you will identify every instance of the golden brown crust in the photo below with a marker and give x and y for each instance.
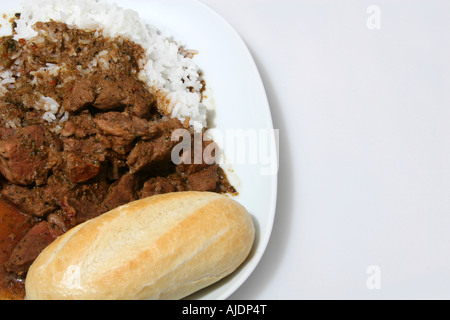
(162, 247)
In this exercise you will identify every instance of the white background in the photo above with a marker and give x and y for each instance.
(364, 120)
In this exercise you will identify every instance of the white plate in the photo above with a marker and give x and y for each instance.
(240, 104)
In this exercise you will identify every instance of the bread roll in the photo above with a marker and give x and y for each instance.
(163, 247)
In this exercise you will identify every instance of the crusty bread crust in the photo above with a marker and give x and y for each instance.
(162, 247)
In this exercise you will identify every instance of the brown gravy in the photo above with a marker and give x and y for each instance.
(13, 226)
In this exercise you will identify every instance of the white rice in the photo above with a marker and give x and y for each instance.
(50, 106)
(171, 74)
(6, 78)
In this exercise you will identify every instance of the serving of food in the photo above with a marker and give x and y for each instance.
(90, 98)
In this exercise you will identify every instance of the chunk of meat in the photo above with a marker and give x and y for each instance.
(79, 96)
(79, 126)
(119, 145)
(110, 94)
(118, 131)
(167, 126)
(122, 192)
(150, 156)
(76, 211)
(30, 246)
(80, 167)
(30, 201)
(92, 145)
(27, 154)
(124, 91)
(191, 162)
(38, 201)
(120, 124)
(156, 154)
(140, 102)
(84, 202)
(205, 180)
(57, 187)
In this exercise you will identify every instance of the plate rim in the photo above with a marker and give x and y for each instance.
(262, 245)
